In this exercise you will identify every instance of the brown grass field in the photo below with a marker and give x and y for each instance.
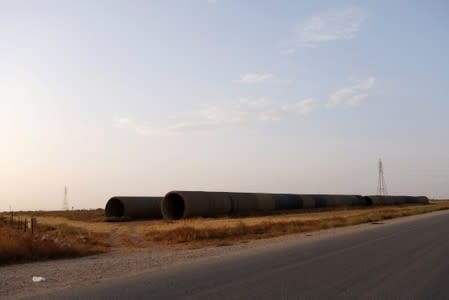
(85, 232)
(48, 242)
(91, 215)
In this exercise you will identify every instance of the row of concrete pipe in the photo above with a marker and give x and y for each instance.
(186, 204)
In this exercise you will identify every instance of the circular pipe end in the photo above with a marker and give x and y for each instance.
(368, 201)
(114, 208)
(173, 206)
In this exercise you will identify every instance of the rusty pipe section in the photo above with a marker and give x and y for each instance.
(133, 208)
(186, 204)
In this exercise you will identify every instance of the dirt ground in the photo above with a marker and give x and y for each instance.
(133, 247)
(201, 232)
(16, 280)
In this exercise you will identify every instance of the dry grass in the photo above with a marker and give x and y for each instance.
(87, 215)
(50, 242)
(201, 232)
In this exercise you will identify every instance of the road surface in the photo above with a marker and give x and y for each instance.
(395, 260)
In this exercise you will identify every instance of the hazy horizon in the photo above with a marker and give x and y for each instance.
(143, 97)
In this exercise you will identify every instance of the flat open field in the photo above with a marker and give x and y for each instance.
(48, 242)
(89, 225)
(130, 248)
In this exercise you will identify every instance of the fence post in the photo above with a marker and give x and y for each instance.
(33, 224)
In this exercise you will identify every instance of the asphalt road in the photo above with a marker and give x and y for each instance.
(396, 260)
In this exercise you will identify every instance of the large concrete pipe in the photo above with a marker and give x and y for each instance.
(185, 204)
(395, 200)
(133, 208)
(319, 201)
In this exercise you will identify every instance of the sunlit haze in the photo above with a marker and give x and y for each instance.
(143, 97)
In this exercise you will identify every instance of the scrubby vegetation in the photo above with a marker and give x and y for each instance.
(48, 242)
(78, 233)
(202, 233)
(88, 215)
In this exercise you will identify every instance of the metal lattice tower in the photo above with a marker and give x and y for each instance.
(65, 204)
(381, 185)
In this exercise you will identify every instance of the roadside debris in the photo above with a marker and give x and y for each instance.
(39, 279)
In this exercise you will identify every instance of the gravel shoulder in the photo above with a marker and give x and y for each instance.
(16, 280)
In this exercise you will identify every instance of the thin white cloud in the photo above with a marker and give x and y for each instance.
(245, 112)
(331, 26)
(351, 96)
(251, 78)
(303, 107)
(225, 115)
(239, 113)
(176, 128)
(288, 50)
(343, 24)
(123, 121)
(257, 103)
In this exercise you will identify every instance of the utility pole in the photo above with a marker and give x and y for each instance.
(65, 204)
(381, 185)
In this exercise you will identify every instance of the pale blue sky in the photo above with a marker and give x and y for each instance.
(142, 97)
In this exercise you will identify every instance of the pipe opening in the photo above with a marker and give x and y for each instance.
(369, 201)
(114, 208)
(173, 206)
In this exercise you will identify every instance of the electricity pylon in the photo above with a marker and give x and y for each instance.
(65, 204)
(381, 186)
